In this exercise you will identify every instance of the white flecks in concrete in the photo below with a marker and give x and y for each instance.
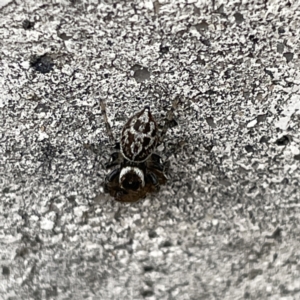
(47, 224)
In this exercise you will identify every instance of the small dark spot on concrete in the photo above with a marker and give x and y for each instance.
(172, 123)
(288, 56)
(71, 199)
(297, 157)
(109, 43)
(283, 289)
(275, 255)
(264, 139)
(27, 24)
(249, 149)
(147, 293)
(252, 217)
(136, 67)
(205, 42)
(281, 30)
(108, 17)
(148, 269)
(253, 39)
(197, 10)
(140, 73)
(280, 47)
(152, 234)
(164, 49)
(239, 61)
(210, 122)
(254, 272)
(48, 151)
(246, 94)
(202, 26)
(37, 294)
(210, 92)
(221, 10)
(283, 141)
(5, 190)
(43, 64)
(38, 239)
(239, 18)
(247, 295)
(268, 72)
(5, 270)
(225, 182)
(64, 36)
(208, 148)
(276, 233)
(201, 61)
(227, 73)
(41, 107)
(243, 170)
(261, 118)
(166, 244)
(22, 252)
(73, 2)
(51, 292)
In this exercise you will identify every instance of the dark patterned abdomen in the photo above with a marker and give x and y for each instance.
(139, 136)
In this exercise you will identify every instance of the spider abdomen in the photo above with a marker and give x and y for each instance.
(139, 136)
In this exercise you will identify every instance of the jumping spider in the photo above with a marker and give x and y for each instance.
(137, 170)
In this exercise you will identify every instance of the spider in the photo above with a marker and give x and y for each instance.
(136, 169)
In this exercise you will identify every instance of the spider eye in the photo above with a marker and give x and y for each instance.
(131, 184)
(131, 181)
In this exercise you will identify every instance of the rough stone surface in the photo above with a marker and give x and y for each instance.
(227, 224)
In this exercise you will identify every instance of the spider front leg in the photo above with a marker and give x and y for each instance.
(111, 180)
(155, 171)
(155, 162)
(151, 177)
(116, 159)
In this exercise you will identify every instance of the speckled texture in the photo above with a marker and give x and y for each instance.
(226, 226)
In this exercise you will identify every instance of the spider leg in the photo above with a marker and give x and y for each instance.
(112, 175)
(155, 162)
(169, 119)
(110, 178)
(106, 122)
(116, 159)
(154, 180)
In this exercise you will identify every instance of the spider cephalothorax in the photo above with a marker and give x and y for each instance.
(137, 169)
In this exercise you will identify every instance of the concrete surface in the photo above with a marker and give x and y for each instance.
(226, 226)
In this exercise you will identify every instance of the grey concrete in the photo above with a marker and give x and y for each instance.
(227, 224)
